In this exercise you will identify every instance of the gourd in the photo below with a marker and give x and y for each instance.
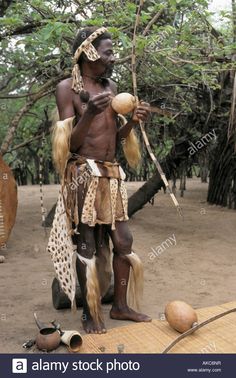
(180, 316)
(123, 103)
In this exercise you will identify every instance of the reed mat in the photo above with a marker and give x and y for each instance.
(216, 337)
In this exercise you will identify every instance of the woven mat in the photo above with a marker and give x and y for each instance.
(216, 337)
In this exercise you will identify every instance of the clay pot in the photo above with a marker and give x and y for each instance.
(180, 316)
(48, 339)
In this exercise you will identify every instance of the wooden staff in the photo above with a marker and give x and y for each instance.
(141, 124)
(195, 328)
(43, 210)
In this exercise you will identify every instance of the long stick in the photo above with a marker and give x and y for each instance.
(193, 329)
(141, 124)
(43, 210)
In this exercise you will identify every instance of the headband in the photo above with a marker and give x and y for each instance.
(91, 53)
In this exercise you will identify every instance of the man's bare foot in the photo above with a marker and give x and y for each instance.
(90, 326)
(126, 313)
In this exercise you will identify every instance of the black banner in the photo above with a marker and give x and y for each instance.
(118, 365)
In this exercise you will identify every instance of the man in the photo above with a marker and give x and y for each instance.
(98, 196)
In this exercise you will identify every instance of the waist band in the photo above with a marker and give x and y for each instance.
(99, 168)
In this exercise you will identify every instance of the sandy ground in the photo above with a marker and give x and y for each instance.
(199, 269)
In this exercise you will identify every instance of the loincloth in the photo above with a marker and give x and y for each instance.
(92, 193)
(96, 192)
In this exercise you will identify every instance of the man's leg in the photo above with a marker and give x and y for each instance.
(122, 242)
(87, 276)
(87, 273)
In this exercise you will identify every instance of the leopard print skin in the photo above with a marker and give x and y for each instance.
(91, 53)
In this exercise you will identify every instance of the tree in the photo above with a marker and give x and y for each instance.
(3, 7)
(182, 60)
(222, 186)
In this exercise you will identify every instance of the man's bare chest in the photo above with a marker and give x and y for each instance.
(80, 101)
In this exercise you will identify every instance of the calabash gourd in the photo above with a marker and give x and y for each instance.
(180, 316)
(123, 103)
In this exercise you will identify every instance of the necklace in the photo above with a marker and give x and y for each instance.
(98, 79)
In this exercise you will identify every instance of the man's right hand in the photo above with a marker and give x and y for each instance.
(98, 103)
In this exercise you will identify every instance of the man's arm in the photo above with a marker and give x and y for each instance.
(64, 100)
(140, 113)
(124, 130)
(96, 105)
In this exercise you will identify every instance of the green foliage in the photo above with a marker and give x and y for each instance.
(178, 58)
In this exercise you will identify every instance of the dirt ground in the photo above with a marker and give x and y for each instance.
(199, 269)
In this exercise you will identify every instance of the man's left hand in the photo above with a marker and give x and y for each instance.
(142, 112)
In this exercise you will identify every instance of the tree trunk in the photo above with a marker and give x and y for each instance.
(203, 164)
(234, 19)
(144, 194)
(221, 189)
(4, 5)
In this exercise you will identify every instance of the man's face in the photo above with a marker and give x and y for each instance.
(107, 58)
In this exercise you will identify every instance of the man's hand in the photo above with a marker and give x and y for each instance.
(98, 103)
(141, 113)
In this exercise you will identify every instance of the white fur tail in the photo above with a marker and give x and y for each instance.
(93, 296)
(131, 146)
(61, 132)
(135, 285)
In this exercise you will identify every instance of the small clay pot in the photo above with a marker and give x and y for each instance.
(48, 339)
